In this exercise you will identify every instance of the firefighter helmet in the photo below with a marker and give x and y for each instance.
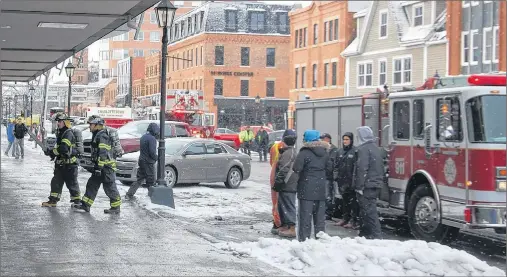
(95, 119)
(61, 116)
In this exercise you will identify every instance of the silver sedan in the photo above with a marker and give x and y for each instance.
(193, 160)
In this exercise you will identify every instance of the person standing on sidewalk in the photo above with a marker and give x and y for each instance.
(66, 168)
(104, 168)
(274, 154)
(311, 165)
(147, 159)
(286, 185)
(344, 167)
(20, 131)
(369, 178)
(10, 138)
(246, 138)
(330, 193)
(262, 140)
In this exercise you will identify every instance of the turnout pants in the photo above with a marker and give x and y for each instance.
(311, 210)
(107, 178)
(146, 172)
(350, 206)
(287, 208)
(67, 174)
(369, 223)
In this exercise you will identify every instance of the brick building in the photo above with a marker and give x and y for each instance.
(477, 36)
(81, 72)
(233, 52)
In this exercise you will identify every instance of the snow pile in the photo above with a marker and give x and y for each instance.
(333, 256)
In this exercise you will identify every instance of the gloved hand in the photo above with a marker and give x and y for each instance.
(97, 172)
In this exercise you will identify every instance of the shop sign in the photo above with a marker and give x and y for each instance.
(232, 73)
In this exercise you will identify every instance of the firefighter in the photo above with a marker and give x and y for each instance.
(66, 168)
(104, 169)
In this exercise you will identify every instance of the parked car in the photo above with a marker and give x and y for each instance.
(76, 120)
(130, 135)
(193, 160)
(228, 137)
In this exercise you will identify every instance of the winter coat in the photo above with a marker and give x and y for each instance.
(10, 132)
(345, 164)
(274, 154)
(246, 136)
(148, 145)
(311, 165)
(65, 142)
(369, 173)
(283, 167)
(20, 130)
(333, 150)
(262, 138)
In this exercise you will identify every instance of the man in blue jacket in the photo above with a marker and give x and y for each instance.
(147, 159)
(10, 138)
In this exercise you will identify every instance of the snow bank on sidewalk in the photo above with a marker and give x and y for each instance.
(333, 256)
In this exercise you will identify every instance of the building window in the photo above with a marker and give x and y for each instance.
(334, 69)
(244, 87)
(177, 61)
(314, 76)
(119, 54)
(283, 22)
(296, 39)
(304, 37)
(270, 57)
(231, 20)
(219, 55)
(326, 71)
(382, 72)
(401, 120)
(383, 24)
(154, 36)
(315, 34)
(138, 52)
(189, 26)
(487, 45)
(336, 29)
(296, 78)
(303, 77)
(105, 55)
(191, 58)
(200, 84)
(331, 30)
(184, 61)
(496, 43)
(202, 57)
(270, 88)
(365, 74)
(325, 31)
(257, 21)
(418, 119)
(140, 36)
(476, 51)
(300, 44)
(417, 12)
(465, 48)
(402, 71)
(153, 17)
(196, 57)
(245, 56)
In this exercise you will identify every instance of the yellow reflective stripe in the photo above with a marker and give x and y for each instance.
(71, 160)
(104, 146)
(87, 200)
(106, 162)
(55, 194)
(75, 197)
(55, 150)
(66, 141)
(116, 204)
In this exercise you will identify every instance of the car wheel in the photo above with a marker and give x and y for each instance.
(170, 176)
(126, 183)
(234, 178)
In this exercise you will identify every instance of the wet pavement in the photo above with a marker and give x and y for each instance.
(62, 242)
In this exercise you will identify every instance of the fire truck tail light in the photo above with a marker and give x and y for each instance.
(501, 185)
(501, 172)
(468, 215)
(487, 80)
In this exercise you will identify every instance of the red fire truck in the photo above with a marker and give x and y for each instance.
(187, 106)
(445, 149)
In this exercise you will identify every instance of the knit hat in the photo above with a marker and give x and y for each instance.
(311, 135)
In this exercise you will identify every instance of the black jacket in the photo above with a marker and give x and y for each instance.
(333, 152)
(344, 165)
(262, 138)
(20, 131)
(65, 143)
(369, 172)
(148, 144)
(311, 165)
(283, 167)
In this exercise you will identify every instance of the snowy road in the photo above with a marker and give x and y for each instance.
(205, 215)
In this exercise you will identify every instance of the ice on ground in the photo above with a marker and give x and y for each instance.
(334, 256)
(210, 201)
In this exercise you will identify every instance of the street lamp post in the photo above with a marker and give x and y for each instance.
(69, 70)
(165, 15)
(257, 103)
(32, 91)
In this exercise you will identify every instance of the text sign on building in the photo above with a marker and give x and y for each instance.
(110, 112)
(231, 73)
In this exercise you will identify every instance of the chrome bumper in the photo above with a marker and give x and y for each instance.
(486, 216)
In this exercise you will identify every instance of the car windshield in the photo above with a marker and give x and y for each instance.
(487, 119)
(181, 130)
(173, 147)
(140, 128)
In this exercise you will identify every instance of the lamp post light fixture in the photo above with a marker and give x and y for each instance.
(165, 12)
(32, 91)
(69, 70)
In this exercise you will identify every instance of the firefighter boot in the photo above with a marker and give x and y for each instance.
(115, 210)
(50, 203)
(76, 201)
(81, 207)
(288, 233)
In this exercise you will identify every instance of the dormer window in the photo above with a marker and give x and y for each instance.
(189, 25)
(283, 22)
(257, 21)
(231, 22)
(417, 12)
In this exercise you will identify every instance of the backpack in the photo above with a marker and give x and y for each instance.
(78, 137)
(115, 141)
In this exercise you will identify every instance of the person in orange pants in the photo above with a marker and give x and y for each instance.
(273, 160)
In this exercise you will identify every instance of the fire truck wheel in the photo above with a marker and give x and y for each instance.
(424, 217)
(234, 178)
